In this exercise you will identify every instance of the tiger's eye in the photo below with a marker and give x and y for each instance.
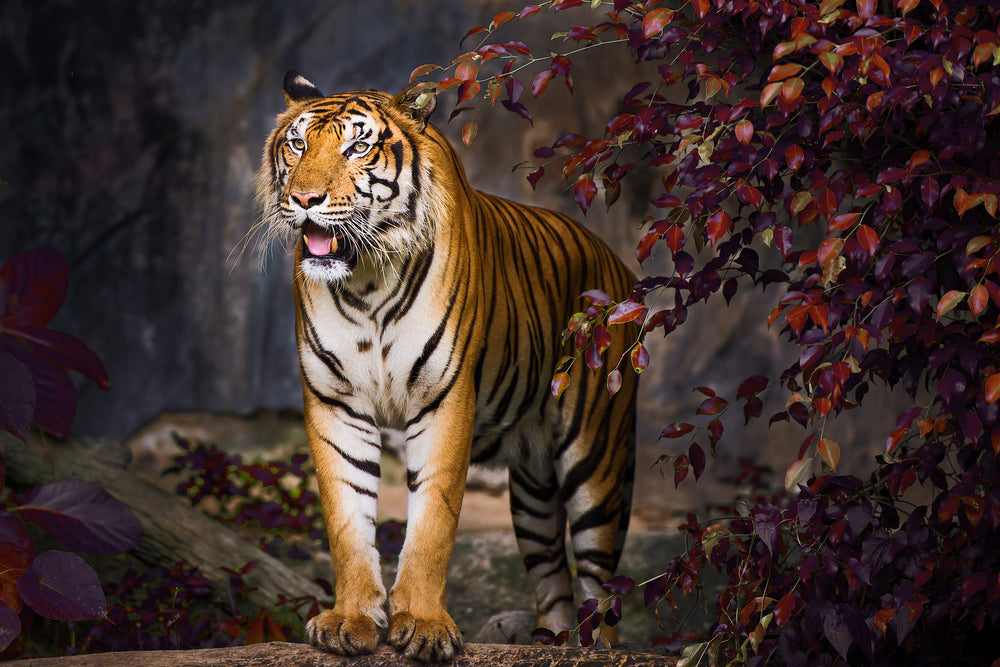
(298, 144)
(360, 147)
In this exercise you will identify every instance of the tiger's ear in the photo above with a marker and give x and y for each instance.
(297, 88)
(418, 101)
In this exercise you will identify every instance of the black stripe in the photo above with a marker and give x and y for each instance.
(432, 342)
(340, 405)
(372, 468)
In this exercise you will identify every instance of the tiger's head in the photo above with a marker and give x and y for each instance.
(346, 178)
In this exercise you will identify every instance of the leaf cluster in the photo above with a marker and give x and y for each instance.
(845, 155)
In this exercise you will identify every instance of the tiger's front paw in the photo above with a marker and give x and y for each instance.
(344, 635)
(426, 639)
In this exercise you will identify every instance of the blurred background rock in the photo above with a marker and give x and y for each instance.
(131, 132)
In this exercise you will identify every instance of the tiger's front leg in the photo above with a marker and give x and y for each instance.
(437, 459)
(346, 451)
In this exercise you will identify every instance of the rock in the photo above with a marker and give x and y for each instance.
(507, 627)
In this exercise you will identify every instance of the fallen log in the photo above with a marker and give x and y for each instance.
(279, 654)
(173, 530)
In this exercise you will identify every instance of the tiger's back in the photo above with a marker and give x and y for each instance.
(430, 308)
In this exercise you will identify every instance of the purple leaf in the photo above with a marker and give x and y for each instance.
(55, 397)
(17, 396)
(32, 287)
(586, 610)
(65, 351)
(765, 526)
(620, 585)
(61, 586)
(83, 516)
(837, 632)
(10, 626)
(655, 590)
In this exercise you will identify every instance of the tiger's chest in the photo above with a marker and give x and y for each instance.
(379, 351)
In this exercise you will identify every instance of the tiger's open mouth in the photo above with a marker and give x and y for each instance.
(323, 243)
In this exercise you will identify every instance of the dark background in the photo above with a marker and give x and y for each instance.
(131, 132)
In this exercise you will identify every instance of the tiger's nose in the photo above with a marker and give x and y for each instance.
(307, 199)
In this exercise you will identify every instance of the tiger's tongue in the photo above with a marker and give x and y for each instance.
(320, 241)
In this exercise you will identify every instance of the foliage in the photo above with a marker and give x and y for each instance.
(848, 153)
(37, 390)
(274, 496)
(58, 584)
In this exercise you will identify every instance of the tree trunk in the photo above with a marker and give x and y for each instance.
(173, 530)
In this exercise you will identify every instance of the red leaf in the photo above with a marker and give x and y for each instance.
(797, 473)
(700, 7)
(541, 82)
(528, 11)
(830, 451)
(474, 31)
(502, 18)
(583, 192)
(535, 175)
(829, 250)
(978, 299)
(868, 239)
(592, 355)
(640, 357)
(674, 238)
(794, 157)
(843, 222)
(791, 90)
(781, 72)
(466, 70)
(951, 299)
(964, 201)
(645, 247)
(744, 131)
(597, 297)
(614, 382)
(783, 610)
(719, 224)
(655, 20)
(676, 430)
(681, 464)
(697, 457)
(770, 92)
(626, 311)
(469, 131)
(752, 386)
(993, 388)
(866, 9)
(712, 406)
(918, 158)
(559, 383)
(715, 430)
(423, 70)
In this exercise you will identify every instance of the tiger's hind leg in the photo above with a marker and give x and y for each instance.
(540, 527)
(595, 466)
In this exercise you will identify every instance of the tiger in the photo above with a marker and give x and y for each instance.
(430, 310)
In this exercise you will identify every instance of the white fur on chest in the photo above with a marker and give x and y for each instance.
(375, 361)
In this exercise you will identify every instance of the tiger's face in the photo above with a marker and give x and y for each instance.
(340, 177)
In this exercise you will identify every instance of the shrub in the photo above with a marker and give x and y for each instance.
(847, 155)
